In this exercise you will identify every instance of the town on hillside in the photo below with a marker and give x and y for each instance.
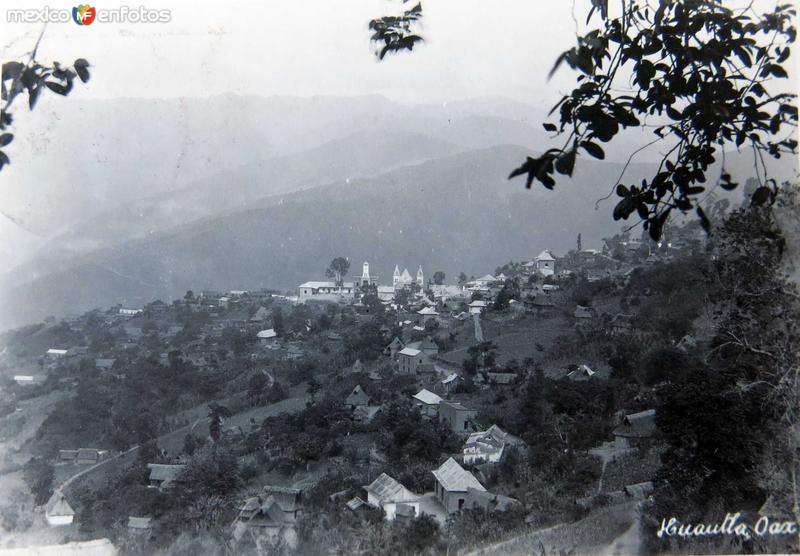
(354, 413)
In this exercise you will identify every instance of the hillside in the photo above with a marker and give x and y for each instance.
(457, 213)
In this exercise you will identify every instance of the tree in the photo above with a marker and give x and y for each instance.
(438, 277)
(277, 321)
(702, 69)
(256, 388)
(32, 77)
(462, 279)
(338, 270)
(580, 248)
(39, 475)
(216, 414)
(313, 387)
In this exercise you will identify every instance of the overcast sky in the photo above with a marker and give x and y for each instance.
(313, 47)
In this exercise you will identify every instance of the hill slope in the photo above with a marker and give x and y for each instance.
(457, 213)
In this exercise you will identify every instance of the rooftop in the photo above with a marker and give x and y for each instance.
(455, 478)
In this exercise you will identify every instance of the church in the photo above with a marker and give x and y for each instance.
(404, 279)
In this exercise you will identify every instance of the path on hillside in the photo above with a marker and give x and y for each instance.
(564, 535)
(175, 437)
(476, 318)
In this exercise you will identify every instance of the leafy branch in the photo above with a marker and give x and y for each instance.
(31, 78)
(697, 66)
(396, 33)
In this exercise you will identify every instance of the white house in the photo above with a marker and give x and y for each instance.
(129, 312)
(58, 512)
(427, 313)
(29, 380)
(476, 307)
(267, 337)
(428, 402)
(325, 291)
(386, 293)
(53, 353)
(546, 263)
(409, 359)
(386, 493)
(486, 446)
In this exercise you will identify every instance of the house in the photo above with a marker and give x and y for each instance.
(582, 312)
(583, 372)
(163, 475)
(487, 446)
(326, 291)
(260, 315)
(428, 402)
(294, 351)
(477, 306)
(87, 456)
(366, 413)
(357, 398)
(394, 347)
(29, 380)
(501, 379)
(67, 455)
(267, 337)
(140, 525)
(387, 493)
(453, 486)
(427, 314)
(104, 364)
(457, 417)
(545, 263)
(271, 514)
(429, 347)
(621, 324)
(409, 360)
(484, 281)
(54, 353)
(355, 504)
(129, 312)
(639, 491)
(58, 512)
(386, 293)
(635, 429)
(451, 382)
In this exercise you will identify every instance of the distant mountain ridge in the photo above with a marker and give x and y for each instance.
(456, 213)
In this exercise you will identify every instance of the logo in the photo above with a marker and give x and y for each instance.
(84, 14)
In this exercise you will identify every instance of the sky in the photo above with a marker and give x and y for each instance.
(312, 47)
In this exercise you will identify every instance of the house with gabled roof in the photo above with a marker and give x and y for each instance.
(487, 446)
(453, 484)
(545, 263)
(260, 315)
(428, 402)
(582, 372)
(451, 382)
(272, 514)
(394, 347)
(635, 429)
(357, 398)
(457, 416)
(58, 512)
(164, 476)
(387, 493)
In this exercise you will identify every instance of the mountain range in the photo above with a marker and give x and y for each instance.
(306, 180)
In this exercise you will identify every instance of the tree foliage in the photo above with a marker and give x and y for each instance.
(396, 32)
(338, 269)
(32, 78)
(702, 72)
(696, 72)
